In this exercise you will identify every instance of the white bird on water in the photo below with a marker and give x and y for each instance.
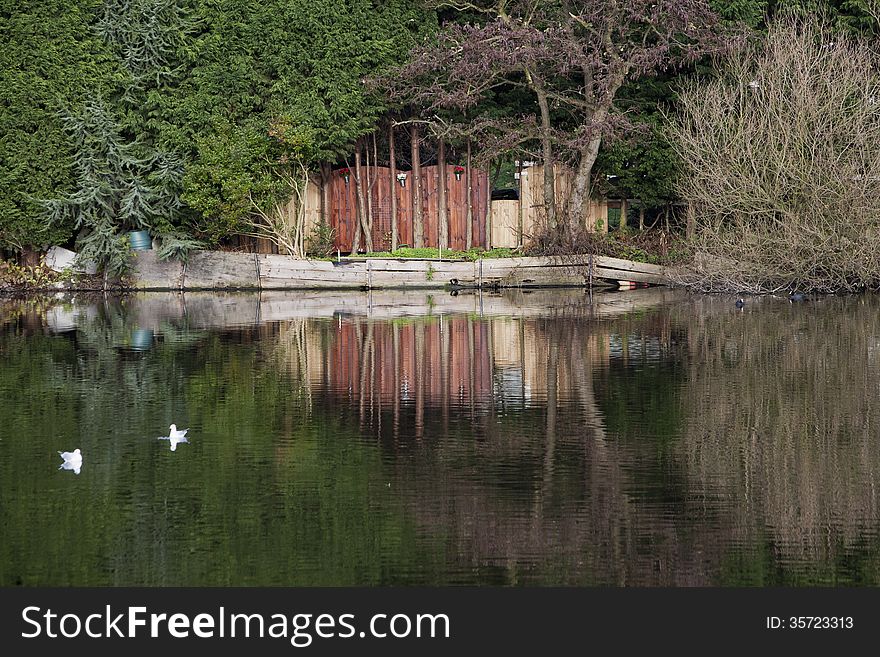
(175, 436)
(72, 461)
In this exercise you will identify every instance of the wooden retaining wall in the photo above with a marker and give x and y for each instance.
(223, 270)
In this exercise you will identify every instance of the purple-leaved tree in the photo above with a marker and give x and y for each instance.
(572, 56)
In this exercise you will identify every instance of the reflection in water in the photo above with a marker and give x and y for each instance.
(645, 438)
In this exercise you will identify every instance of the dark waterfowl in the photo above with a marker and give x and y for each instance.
(795, 297)
(740, 303)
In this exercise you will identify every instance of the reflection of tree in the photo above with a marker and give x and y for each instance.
(782, 422)
(688, 445)
(506, 489)
(264, 493)
(601, 485)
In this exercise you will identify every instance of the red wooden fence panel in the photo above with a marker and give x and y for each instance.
(480, 202)
(378, 185)
(342, 210)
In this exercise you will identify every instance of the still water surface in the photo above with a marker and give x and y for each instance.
(632, 439)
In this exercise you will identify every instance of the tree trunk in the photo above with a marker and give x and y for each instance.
(361, 202)
(29, 257)
(641, 215)
(519, 204)
(418, 217)
(368, 193)
(580, 193)
(324, 209)
(356, 239)
(624, 208)
(365, 198)
(487, 219)
(691, 220)
(496, 173)
(469, 185)
(393, 167)
(547, 154)
(442, 214)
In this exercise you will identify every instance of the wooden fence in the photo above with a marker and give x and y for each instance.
(508, 224)
(513, 223)
(378, 188)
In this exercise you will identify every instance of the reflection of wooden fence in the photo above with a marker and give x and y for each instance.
(343, 207)
(427, 363)
(444, 363)
(513, 223)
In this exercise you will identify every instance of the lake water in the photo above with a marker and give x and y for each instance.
(553, 438)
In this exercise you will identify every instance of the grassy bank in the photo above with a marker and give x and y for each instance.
(650, 246)
(448, 254)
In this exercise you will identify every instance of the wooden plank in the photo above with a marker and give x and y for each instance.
(635, 276)
(481, 204)
(456, 202)
(570, 268)
(342, 210)
(451, 267)
(628, 265)
(536, 261)
(271, 265)
(221, 270)
(149, 273)
(503, 220)
(414, 280)
(430, 204)
(404, 209)
(281, 272)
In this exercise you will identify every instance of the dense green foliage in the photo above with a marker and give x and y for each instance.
(236, 93)
(277, 82)
(235, 99)
(50, 60)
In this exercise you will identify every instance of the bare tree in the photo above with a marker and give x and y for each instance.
(782, 153)
(284, 223)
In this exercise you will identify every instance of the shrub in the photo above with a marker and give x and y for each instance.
(782, 154)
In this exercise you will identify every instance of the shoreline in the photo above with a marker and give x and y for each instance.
(223, 271)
